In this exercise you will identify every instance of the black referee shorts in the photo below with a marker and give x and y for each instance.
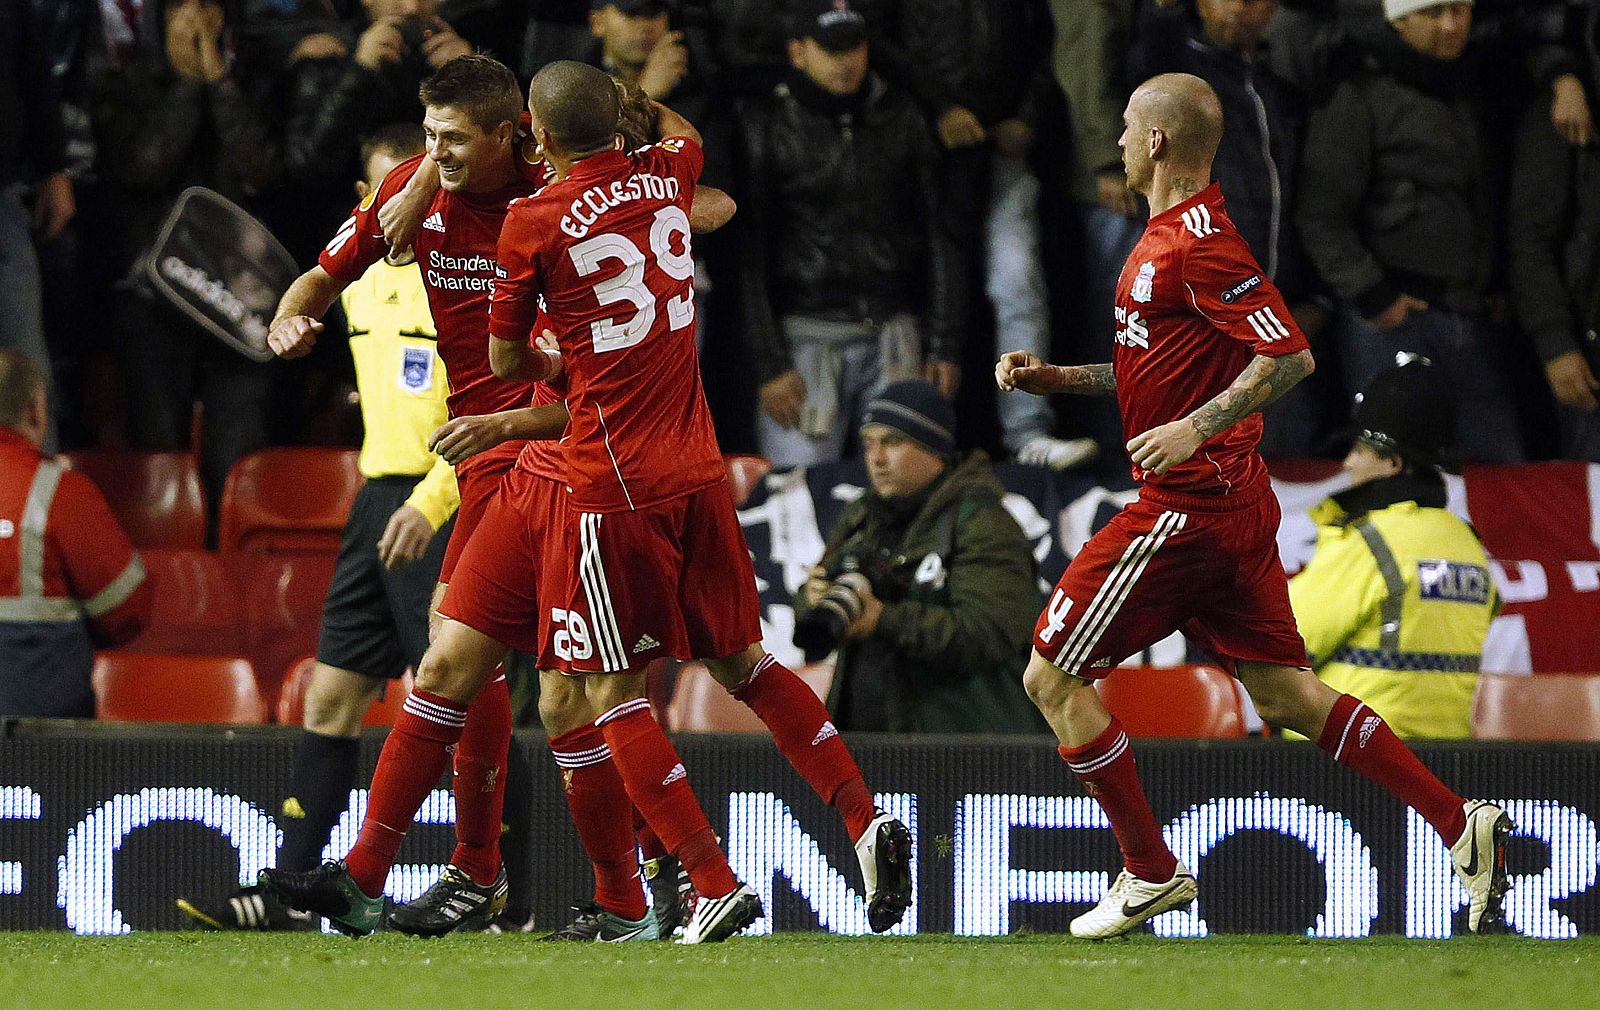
(375, 620)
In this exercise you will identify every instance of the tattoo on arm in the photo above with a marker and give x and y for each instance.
(1089, 380)
(1262, 382)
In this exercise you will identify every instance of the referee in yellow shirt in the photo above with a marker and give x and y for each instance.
(375, 617)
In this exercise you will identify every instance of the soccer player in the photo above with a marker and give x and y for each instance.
(1205, 342)
(654, 560)
(375, 619)
(472, 110)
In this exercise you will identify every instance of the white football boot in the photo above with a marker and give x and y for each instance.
(884, 852)
(715, 919)
(1132, 901)
(1479, 859)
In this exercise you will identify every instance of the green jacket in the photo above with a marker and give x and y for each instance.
(949, 656)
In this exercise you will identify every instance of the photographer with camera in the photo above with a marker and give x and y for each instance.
(925, 585)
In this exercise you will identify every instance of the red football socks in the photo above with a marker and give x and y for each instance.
(658, 785)
(807, 738)
(650, 846)
(480, 782)
(1105, 767)
(604, 818)
(1358, 738)
(415, 754)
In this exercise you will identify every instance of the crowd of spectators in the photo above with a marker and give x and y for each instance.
(921, 183)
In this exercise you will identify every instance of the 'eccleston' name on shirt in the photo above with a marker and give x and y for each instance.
(596, 200)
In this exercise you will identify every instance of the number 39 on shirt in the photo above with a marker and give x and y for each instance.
(629, 286)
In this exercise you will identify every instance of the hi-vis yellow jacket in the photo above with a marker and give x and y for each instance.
(1394, 608)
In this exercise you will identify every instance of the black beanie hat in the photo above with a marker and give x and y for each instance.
(918, 410)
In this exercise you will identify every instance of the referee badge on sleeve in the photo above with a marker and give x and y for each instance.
(416, 371)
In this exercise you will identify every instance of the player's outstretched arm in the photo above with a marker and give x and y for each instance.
(1261, 383)
(1028, 372)
(297, 322)
(401, 216)
(464, 437)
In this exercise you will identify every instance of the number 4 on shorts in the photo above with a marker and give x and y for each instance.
(1060, 607)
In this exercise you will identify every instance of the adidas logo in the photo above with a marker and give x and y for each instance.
(827, 732)
(1369, 725)
(393, 299)
(435, 222)
(645, 643)
(677, 774)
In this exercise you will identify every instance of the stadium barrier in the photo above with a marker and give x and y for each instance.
(101, 827)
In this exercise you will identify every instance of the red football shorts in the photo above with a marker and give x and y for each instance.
(671, 580)
(1160, 567)
(503, 573)
(478, 479)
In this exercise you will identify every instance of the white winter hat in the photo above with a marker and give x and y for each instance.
(1393, 9)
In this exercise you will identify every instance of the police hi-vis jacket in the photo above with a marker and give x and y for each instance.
(1396, 603)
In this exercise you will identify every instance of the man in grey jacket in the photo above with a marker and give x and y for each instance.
(1397, 213)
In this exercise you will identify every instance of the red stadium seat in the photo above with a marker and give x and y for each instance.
(283, 596)
(1180, 701)
(1537, 707)
(291, 707)
(154, 495)
(744, 473)
(140, 687)
(194, 606)
(701, 705)
(288, 500)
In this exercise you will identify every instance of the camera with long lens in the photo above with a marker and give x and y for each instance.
(823, 627)
(821, 630)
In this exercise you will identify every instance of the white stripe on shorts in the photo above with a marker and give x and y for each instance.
(613, 654)
(1114, 592)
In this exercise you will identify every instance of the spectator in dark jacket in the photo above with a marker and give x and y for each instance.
(178, 117)
(35, 193)
(941, 579)
(1397, 209)
(847, 274)
(983, 69)
(1554, 225)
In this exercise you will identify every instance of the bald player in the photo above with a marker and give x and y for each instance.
(1204, 342)
(651, 550)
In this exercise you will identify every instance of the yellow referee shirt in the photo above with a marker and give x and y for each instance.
(401, 379)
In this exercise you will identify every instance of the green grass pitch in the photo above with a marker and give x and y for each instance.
(169, 971)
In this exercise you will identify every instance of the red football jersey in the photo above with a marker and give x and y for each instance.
(606, 251)
(1192, 308)
(455, 251)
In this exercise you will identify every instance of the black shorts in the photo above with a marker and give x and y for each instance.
(375, 620)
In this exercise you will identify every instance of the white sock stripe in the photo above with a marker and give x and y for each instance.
(436, 706)
(1108, 600)
(1346, 734)
(1118, 747)
(626, 708)
(1174, 521)
(588, 762)
(587, 752)
(427, 710)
